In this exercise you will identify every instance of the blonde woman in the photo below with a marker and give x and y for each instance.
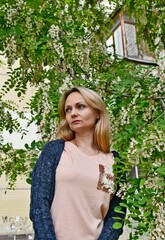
(73, 191)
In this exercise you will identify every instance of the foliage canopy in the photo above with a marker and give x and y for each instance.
(62, 43)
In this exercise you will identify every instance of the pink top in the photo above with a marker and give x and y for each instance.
(79, 208)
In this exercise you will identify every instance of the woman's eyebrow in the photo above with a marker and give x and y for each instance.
(81, 102)
(76, 103)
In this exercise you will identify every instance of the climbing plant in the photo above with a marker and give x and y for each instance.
(58, 44)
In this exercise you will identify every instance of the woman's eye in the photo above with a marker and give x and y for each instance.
(81, 106)
(67, 110)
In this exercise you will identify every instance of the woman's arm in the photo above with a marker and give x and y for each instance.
(42, 190)
(108, 232)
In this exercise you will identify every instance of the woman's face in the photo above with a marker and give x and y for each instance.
(79, 115)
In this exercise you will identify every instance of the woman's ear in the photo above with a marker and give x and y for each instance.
(97, 118)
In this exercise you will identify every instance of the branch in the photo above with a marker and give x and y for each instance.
(154, 97)
(163, 105)
(161, 101)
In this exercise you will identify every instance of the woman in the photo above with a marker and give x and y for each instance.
(72, 193)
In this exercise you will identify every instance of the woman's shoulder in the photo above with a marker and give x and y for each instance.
(116, 154)
(57, 143)
(52, 148)
(51, 152)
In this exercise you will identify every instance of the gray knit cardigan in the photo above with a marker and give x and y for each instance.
(42, 194)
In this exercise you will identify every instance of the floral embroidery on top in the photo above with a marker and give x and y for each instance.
(106, 179)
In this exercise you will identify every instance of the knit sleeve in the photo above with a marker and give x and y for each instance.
(108, 232)
(42, 190)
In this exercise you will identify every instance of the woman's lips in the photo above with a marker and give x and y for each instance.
(76, 121)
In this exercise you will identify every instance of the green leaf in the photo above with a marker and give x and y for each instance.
(33, 144)
(117, 225)
(26, 146)
(142, 181)
(143, 225)
(146, 214)
(161, 170)
(119, 211)
(134, 216)
(131, 190)
(29, 180)
(123, 205)
(142, 201)
(161, 182)
(20, 151)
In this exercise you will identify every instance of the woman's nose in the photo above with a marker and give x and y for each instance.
(73, 112)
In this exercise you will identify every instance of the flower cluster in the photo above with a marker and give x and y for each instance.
(12, 11)
(67, 83)
(11, 50)
(124, 116)
(123, 190)
(158, 231)
(81, 50)
(29, 20)
(53, 32)
(45, 84)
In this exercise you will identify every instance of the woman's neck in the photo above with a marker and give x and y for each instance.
(86, 144)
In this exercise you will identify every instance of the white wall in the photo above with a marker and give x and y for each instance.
(14, 204)
(15, 138)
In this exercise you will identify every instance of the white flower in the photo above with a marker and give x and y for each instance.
(46, 68)
(54, 32)
(157, 40)
(46, 81)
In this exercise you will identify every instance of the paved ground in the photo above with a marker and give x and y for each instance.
(18, 237)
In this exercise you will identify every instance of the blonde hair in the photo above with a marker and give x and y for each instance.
(102, 129)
